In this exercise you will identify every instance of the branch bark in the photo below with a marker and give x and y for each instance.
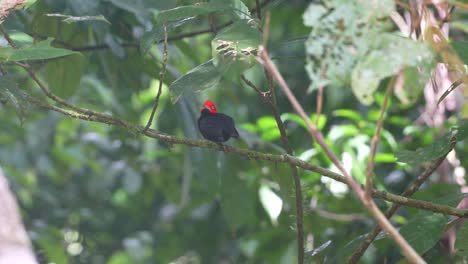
(250, 154)
(391, 211)
(270, 98)
(408, 251)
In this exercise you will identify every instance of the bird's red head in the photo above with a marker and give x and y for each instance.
(210, 106)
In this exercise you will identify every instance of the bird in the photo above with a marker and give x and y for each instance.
(214, 126)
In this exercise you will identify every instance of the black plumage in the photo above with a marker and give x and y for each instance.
(216, 127)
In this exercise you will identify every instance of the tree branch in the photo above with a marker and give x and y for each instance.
(211, 29)
(376, 138)
(269, 98)
(389, 213)
(161, 79)
(250, 154)
(408, 251)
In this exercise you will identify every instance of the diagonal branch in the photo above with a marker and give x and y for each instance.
(376, 138)
(250, 154)
(211, 29)
(407, 193)
(269, 98)
(408, 251)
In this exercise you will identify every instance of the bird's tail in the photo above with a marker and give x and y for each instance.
(235, 134)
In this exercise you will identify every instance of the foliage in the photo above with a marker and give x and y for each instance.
(97, 193)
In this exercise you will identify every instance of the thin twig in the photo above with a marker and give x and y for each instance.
(266, 30)
(249, 83)
(320, 97)
(338, 217)
(250, 154)
(268, 97)
(213, 29)
(161, 79)
(376, 138)
(389, 213)
(259, 10)
(41, 85)
(408, 251)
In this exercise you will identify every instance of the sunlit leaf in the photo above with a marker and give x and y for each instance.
(271, 202)
(74, 19)
(319, 249)
(348, 113)
(183, 12)
(392, 53)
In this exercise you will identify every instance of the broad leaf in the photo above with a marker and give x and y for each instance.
(39, 51)
(234, 49)
(461, 47)
(271, 202)
(437, 149)
(198, 79)
(64, 74)
(392, 54)
(461, 245)
(462, 130)
(11, 94)
(156, 34)
(423, 231)
(236, 8)
(237, 199)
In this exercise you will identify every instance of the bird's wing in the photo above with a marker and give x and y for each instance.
(231, 128)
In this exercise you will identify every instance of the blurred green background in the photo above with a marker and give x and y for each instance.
(95, 193)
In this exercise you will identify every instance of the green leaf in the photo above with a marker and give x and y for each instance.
(156, 34)
(39, 51)
(461, 47)
(74, 19)
(461, 245)
(202, 77)
(9, 91)
(293, 117)
(21, 39)
(423, 231)
(236, 8)
(391, 55)
(322, 121)
(348, 113)
(462, 130)
(431, 152)
(237, 201)
(271, 202)
(415, 81)
(384, 158)
(64, 74)
(234, 49)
